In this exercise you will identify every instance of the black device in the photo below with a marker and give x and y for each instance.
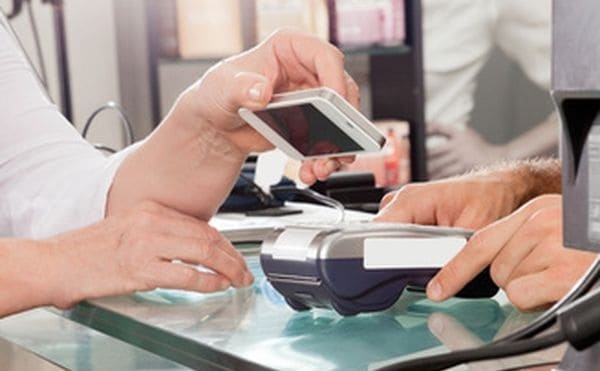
(576, 92)
(360, 266)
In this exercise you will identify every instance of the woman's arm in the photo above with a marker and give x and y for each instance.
(191, 161)
(51, 180)
(147, 247)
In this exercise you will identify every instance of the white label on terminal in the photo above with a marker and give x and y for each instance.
(293, 244)
(392, 253)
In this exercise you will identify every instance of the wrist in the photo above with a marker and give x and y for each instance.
(39, 284)
(528, 179)
(186, 127)
(61, 271)
(193, 166)
(516, 181)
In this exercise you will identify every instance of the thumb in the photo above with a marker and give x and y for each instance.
(447, 131)
(249, 90)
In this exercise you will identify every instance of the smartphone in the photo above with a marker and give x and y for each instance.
(314, 123)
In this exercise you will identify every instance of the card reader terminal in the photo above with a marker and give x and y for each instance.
(360, 266)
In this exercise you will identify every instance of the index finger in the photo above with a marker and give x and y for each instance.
(479, 252)
(316, 56)
(443, 130)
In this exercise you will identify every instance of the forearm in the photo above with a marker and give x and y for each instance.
(190, 168)
(528, 178)
(26, 275)
(541, 140)
(192, 160)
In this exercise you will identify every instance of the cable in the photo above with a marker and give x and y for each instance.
(102, 147)
(38, 44)
(268, 199)
(8, 27)
(264, 198)
(443, 361)
(531, 365)
(125, 123)
(317, 197)
(549, 317)
(569, 312)
(580, 321)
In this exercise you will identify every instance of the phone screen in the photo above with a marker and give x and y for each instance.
(308, 130)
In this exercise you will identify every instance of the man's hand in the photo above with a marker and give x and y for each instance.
(469, 202)
(462, 150)
(472, 200)
(526, 256)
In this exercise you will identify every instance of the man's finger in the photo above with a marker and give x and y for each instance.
(440, 150)
(479, 252)
(387, 198)
(526, 240)
(533, 292)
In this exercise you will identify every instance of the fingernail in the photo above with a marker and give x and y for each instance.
(434, 290)
(332, 165)
(256, 91)
(248, 279)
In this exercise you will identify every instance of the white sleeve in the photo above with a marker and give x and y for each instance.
(524, 34)
(51, 179)
(457, 41)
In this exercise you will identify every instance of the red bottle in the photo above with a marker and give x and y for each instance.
(392, 159)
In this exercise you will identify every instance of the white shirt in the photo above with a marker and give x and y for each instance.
(458, 37)
(51, 179)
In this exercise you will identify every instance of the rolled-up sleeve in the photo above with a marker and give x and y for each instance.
(51, 179)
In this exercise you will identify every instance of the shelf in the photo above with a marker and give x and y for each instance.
(350, 50)
(178, 60)
(376, 50)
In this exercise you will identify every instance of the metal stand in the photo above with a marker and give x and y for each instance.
(63, 61)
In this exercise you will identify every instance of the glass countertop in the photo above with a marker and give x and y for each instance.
(43, 340)
(254, 329)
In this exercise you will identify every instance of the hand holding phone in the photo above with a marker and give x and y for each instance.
(314, 123)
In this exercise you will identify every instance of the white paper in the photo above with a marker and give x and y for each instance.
(292, 244)
(269, 169)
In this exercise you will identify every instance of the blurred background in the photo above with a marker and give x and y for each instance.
(142, 53)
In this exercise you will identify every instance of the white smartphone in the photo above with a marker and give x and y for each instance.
(314, 123)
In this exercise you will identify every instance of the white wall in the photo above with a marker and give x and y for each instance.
(92, 53)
